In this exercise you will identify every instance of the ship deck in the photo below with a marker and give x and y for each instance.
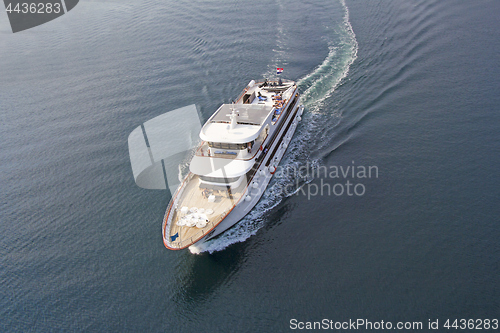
(198, 202)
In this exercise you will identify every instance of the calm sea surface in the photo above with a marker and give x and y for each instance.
(410, 89)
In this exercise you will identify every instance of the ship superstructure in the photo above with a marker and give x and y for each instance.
(242, 144)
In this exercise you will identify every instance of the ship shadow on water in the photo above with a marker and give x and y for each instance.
(206, 273)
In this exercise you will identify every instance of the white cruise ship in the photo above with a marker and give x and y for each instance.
(242, 144)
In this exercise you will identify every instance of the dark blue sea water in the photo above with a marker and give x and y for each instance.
(408, 87)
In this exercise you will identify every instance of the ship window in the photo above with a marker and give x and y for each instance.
(230, 146)
(219, 180)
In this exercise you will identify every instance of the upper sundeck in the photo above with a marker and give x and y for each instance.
(242, 121)
(248, 114)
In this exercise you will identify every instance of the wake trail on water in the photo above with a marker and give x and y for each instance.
(317, 87)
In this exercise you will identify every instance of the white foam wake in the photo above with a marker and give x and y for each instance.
(323, 81)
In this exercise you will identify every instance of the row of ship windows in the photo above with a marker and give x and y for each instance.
(231, 146)
(219, 180)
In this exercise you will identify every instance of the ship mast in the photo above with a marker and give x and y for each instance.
(234, 116)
